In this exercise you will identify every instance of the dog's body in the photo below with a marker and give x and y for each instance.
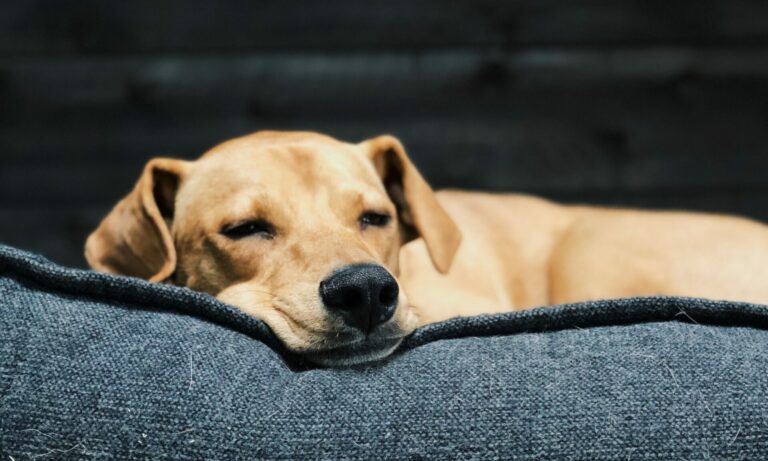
(520, 252)
(306, 233)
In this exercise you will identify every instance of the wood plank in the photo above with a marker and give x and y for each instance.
(638, 148)
(635, 118)
(574, 119)
(160, 26)
(275, 84)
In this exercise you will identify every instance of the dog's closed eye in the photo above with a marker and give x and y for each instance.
(373, 218)
(254, 228)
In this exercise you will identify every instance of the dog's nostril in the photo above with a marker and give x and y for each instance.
(388, 294)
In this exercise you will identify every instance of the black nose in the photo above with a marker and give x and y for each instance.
(364, 294)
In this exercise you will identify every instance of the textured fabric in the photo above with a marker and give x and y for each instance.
(94, 366)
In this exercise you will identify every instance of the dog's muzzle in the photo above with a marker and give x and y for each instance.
(365, 295)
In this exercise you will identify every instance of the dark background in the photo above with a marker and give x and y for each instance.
(628, 102)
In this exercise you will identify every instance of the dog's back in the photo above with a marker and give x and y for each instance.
(521, 251)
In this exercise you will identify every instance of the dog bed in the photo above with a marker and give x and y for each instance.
(94, 366)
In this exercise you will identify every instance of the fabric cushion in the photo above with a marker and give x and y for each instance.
(94, 366)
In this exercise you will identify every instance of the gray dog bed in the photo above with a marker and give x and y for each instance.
(94, 366)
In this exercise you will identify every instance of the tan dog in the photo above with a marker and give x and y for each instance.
(307, 233)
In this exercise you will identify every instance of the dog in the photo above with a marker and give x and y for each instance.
(344, 249)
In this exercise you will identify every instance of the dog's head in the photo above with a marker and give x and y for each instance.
(297, 229)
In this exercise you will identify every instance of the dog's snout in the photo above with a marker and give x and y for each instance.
(364, 294)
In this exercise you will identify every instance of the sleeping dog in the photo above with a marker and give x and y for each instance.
(343, 249)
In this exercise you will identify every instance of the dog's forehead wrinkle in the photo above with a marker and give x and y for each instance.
(269, 138)
(288, 162)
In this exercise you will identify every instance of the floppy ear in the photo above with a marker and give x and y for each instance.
(417, 205)
(135, 238)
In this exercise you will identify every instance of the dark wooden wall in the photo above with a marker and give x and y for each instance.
(632, 102)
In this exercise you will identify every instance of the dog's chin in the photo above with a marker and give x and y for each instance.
(354, 354)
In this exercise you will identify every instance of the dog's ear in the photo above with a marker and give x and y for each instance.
(135, 238)
(417, 205)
